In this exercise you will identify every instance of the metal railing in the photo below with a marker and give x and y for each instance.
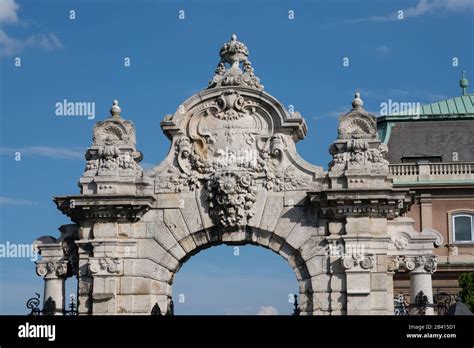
(49, 307)
(441, 303)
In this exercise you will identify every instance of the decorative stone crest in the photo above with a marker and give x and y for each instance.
(229, 134)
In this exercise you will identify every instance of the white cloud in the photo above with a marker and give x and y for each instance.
(267, 310)
(383, 49)
(342, 110)
(10, 45)
(14, 201)
(45, 151)
(423, 7)
(8, 11)
(403, 95)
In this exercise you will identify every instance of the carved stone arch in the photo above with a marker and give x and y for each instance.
(135, 229)
(248, 236)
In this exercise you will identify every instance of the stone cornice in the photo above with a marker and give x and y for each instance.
(104, 208)
(353, 203)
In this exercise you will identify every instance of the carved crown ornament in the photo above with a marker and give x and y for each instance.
(234, 53)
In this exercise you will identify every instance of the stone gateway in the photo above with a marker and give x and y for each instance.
(233, 176)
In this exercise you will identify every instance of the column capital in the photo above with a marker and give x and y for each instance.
(413, 264)
(51, 269)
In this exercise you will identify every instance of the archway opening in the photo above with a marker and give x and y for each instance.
(235, 280)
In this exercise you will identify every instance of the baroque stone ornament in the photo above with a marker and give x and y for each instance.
(113, 151)
(231, 143)
(105, 266)
(365, 262)
(393, 263)
(358, 146)
(416, 263)
(233, 175)
(51, 269)
(231, 198)
(235, 53)
(400, 242)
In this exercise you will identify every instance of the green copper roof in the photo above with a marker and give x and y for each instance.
(458, 107)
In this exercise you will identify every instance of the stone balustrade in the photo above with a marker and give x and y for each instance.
(409, 172)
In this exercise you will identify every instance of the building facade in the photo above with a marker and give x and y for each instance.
(233, 176)
(431, 153)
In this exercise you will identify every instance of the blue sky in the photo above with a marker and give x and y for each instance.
(299, 61)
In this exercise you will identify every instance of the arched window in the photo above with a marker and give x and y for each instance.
(462, 227)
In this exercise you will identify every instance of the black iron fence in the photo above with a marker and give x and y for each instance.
(157, 311)
(441, 303)
(49, 307)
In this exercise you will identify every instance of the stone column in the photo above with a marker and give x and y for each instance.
(54, 274)
(420, 269)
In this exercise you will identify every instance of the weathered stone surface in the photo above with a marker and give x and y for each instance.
(273, 208)
(379, 281)
(191, 214)
(312, 247)
(379, 300)
(317, 265)
(321, 282)
(105, 229)
(233, 175)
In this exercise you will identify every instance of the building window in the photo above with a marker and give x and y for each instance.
(422, 159)
(463, 227)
